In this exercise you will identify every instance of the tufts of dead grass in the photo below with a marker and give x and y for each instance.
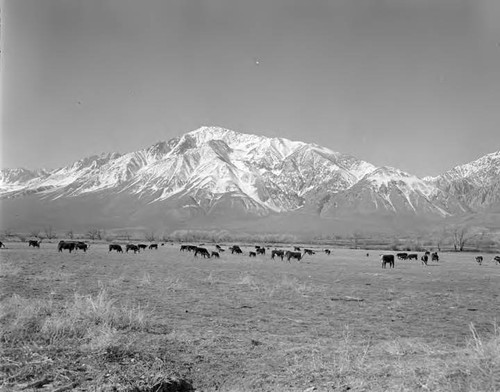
(8, 269)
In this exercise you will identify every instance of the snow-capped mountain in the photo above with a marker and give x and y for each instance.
(475, 184)
(214, 172)
(391, 191)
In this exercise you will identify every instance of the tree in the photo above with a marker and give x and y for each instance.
(95, 234)
(460, 237)
(49, 233)
(150, 236)
(35, 233)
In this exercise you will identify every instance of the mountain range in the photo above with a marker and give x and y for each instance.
(215, 177)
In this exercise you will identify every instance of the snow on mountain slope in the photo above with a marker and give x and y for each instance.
(265, 174)
(390, 191)
(217, 171)
(475, 184)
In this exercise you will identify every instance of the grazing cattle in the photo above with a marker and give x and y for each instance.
(424, 259)
(252, 254)
(34, 243)
(202, 251)
(69, 245)
(479, 260)
(402, 256)
(218, 247)
(142, 246)
(183, 248)
(387, 259)
(81, 245)
(257, 247)
(496, 259)
(328, 251)
(153, 246)
(367, 255)
(261, 251)
(296, 248)
(293, 255)
(236, 249)
(279, 253)
(435, 256)
(132, 247)
(412, 256)
(116, 247)
(215, 254)
(2, 245)
(309, 252)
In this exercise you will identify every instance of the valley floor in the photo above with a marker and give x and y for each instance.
(107, 321)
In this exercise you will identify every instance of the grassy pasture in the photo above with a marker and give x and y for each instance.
(109, 321)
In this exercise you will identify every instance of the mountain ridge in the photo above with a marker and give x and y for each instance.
(214, 172)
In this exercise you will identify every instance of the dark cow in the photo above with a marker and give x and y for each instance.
(257, 247)
(424, 259)
(328, 251)
(402, 256)
(142, 246)
(81, 245)
(387, 259)
(218, 247)
(34, 243)
(296, 248)
(412, 256)
(435, 256)
(215, 254)
(496, 259)
(132, 247)
(2, 245)
(261, 251)
(189, 248)
(153, 246)
(293, 255)
(479, 260)
(309, 252)
(236, 249)
(202, 251)
(116, 247)
(252, 254)
(279, 253)
(69, 245)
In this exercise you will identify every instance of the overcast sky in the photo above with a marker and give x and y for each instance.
(413, 84)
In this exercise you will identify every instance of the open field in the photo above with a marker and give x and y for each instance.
(109, 321)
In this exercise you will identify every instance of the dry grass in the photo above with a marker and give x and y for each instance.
(330, 322)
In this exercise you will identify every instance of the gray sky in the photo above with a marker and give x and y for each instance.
(413, 84)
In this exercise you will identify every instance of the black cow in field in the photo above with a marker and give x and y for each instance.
(387, 259)
(215, 254)
(116, 247)
(496, 259)
(202, 251)
(435, 256)
(236, 249)
(412, 256)
(153, 246)
(296, 248)
(479, 260)
(81, 245)
(2, 245)
(424, 259)
(328, 251)
(189, 248)
(309, 252)
(69, 245)
(218, 247)
(142, 246)
(132, 247)
(293, 255)
(252, 254)
(402, 256)
(261, 251)
(277, 252)
(34, 243)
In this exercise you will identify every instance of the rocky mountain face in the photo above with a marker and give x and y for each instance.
(217, 174)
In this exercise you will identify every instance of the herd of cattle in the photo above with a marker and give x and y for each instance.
(288, 255)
